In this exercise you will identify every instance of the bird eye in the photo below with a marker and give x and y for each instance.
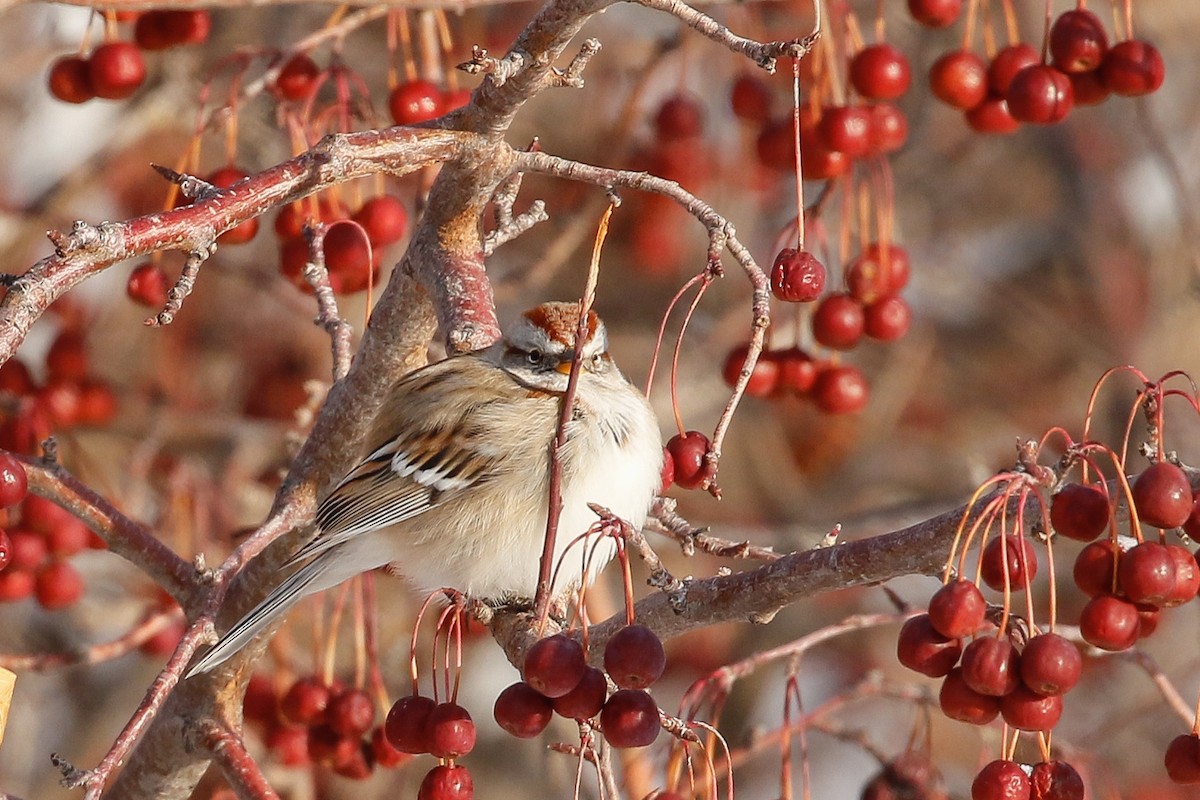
(534, 357)
(598, 361)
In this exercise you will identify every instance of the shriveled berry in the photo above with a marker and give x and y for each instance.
(634, 657)
(922, 649)
(957, 609)
(797, 276)
(522, 710)
(554, 665)
(1001, 780)
(1055, 780)
(630, 719)
(1078, 41)
(405, 725)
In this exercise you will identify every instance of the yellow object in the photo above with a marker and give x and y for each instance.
(8, 680)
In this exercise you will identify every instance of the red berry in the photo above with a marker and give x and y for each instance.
(847, 129)
(688, 452)
(350, 712)
(1146, 573)
(383, 218)
(1055, 780)
(1050, 664)
(297, 77)
(992, 116)
(289, 744)
(305, 701)
(455, 99)
(764, 378)
(152, 31)
(405, 725)
(1162, 495)
(1182, 759)
(15, 584)
(445, 782)
(415, 101)
(67, 358)
(1079, 512)
(327, 746)
(959, 701)
(356, 763)
(148, 285)
(57, 585)
(586, 699)
(1026, 710)
(1109, 623)
(14, 483)
(877, 272)
(1095, 568)
(957, 609)
(1040, 94)
(991, 666)
(450, 731)
(630, 719)
(116, 70)
(522, 710)
(840, 389)
(889, 128)
(880, 72)
(922, 649)
(15, 378)
(28, 550)
(385, 753)
(1133, 68)
(751, 99)
(935, 13)
(1187, 576)
(634, 657)
(797, 276)
(797, 370)
(1078, 41)
(838, 322)
(70, 80)
(1089, 88)
(347, 251)
(1001, 780)
(554, 665)
(1009, 557)
(1007, 62)
(888, 319)
(68, 538)
(667, 477)
(5, 550)
(679, 117)
(959, 79)
(260, 703)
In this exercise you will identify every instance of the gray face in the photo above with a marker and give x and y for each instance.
(541, 359)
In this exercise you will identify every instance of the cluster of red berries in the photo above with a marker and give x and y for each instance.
(116, 69)
(870, 306)
(1024, 680)
(70, 396)
(315, 722)
(419, 724)
(353, 252)
(909, 775)
(1015, 86)
(558, 680)
(35, 549)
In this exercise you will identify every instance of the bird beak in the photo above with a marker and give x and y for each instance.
(564, 367)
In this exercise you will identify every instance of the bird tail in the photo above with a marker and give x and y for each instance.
(310, 578)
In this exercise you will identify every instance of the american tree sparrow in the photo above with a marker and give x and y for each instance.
(454, 491)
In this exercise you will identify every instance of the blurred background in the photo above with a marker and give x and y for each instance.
(1039, 259)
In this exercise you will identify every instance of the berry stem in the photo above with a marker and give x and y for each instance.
(1011, 29)
(410, 64)
(360, 636)
(447, 44)
(662, 328)
(1049, 17)
(705, 280)
(796, 144)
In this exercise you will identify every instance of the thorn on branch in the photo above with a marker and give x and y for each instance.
(50, 451)
(192, 187)
(498, 69)
(83, 236)
(72, 778)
